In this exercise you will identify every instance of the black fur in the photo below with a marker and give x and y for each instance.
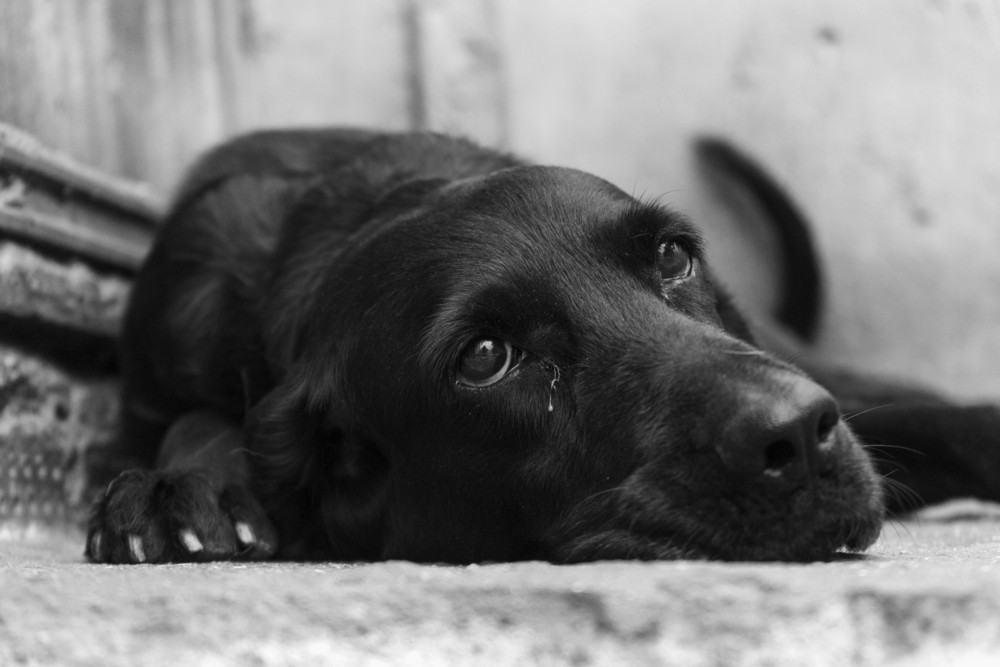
(291, 356)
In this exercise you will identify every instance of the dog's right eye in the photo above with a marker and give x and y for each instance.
(486, 360)
(674, 261)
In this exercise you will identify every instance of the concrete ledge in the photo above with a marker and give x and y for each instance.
(927, 595)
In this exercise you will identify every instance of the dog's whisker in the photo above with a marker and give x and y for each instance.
(900, 527)
(249, 453)
(849, 416)
(746, 353)
(883, 446)
(794, 358)
(880, 461)
(593, 496)
(902, 494)
(656, 200)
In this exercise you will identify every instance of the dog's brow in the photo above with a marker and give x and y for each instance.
(651, 220)
(438, 338)
(508, 306)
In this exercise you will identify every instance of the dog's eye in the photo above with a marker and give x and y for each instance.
(486, 360)
(673, 260)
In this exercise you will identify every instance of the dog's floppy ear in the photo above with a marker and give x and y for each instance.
(303, 458)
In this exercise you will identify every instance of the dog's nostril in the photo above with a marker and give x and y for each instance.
(827, 422)
(778, 455)
(827, 445)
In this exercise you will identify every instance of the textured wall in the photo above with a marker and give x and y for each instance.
(133, 88)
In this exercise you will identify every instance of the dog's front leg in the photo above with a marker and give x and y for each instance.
(195, 506)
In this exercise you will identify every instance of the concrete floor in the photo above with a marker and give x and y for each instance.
(927, 594)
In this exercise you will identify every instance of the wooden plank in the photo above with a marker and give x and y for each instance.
(49, 199)
(98, 240)
(22, 153)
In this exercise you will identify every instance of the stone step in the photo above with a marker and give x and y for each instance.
(928, 594)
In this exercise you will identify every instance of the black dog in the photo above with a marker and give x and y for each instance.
(362, 346)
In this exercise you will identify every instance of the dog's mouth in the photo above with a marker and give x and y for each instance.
(841, 511)
(716, 541)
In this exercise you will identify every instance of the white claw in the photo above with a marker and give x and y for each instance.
(245, 533)
(190, 540)
(135, 546)
(95, 545)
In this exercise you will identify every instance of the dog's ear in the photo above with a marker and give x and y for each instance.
(303, 458)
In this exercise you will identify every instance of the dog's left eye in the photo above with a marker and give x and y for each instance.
(673, 260)
(486, 360)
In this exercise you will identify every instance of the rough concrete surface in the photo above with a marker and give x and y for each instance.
(927, 594)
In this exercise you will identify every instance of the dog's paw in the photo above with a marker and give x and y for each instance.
(163, 517)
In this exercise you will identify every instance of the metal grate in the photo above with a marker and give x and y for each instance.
(33, 486)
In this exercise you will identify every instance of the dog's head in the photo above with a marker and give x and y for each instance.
(533, 364)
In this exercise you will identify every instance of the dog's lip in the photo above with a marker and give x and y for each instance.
(849, 536)
(807, 530)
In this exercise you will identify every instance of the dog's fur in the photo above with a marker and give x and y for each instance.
(293, 366)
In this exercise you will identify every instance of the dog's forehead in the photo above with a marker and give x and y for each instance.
(547, 213)
(537, 198)
(548, 219)
(521, 244)
(531, 246)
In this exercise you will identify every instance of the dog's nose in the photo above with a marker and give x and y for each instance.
(782, 437)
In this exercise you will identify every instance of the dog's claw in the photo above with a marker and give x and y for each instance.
(245, 533)
(135, 547)
(195, 521)
(190, 540)
(95, 545)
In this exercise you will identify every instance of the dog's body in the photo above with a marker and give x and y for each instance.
(363, 346)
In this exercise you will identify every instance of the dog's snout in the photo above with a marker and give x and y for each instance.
(784, 438)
